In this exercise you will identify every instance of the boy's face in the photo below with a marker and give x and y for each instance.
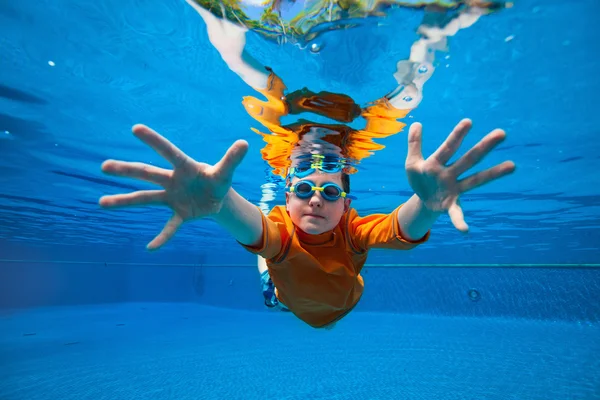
(316, 215)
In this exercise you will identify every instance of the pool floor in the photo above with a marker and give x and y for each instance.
(190, 351)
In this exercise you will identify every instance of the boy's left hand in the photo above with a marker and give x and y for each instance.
(437, 184)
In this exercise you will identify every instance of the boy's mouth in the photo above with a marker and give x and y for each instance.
(315, 216)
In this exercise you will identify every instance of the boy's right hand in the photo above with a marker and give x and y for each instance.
(192, 189)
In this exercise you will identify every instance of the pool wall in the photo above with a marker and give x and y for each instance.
(524, 291)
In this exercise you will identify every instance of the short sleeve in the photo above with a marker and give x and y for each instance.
(274, 236)
(379, 231)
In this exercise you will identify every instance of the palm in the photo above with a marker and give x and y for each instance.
(192, 189)
(427, 182)
(438, 185)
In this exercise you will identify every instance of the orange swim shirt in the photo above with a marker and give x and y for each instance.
(318, 276)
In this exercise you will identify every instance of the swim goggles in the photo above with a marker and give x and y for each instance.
(329, 191)
(330, 165)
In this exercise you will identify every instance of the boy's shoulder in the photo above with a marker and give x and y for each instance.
(278, 214)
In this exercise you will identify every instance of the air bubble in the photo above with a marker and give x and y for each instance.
(423, 69)
(474, 295)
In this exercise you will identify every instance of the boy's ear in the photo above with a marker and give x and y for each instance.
(287, 201)
(347, 204)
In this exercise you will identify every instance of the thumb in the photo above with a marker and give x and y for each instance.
(232, 158)
(167, 233)
(457, 217)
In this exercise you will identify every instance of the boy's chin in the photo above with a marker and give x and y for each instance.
(313, 229)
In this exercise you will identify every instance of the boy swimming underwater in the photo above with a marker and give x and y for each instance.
(312, 250)
(316, 245)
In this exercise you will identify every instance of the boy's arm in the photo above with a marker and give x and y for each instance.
(242, 219)
(255, 231)
(415, 220)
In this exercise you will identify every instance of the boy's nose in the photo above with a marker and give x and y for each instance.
(316, 200)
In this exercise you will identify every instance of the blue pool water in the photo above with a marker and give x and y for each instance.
(508, 311)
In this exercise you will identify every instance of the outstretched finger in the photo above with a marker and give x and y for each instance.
(450, 146)
(457, 217)
(167, 233)
(139, 198)
(415, 153)
(161, 145)
(486, 176)
(478, 152)
(232, 158)
(137, 170)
